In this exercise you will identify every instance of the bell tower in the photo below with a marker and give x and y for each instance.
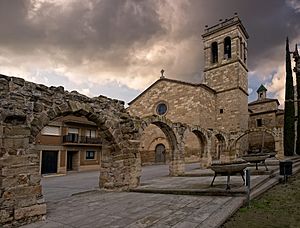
(226, 71)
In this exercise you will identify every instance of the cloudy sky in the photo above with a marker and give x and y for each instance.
(118, 47)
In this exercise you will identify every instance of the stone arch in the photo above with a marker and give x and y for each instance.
(275, 132)
(28, 107)
(220, 146)
(174, 133)
(203, 140)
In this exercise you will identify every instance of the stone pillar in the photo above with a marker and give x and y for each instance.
(176, 167)
(120, 169)
(21, 192)
(209, 152)
(177, 164)
(279, 146)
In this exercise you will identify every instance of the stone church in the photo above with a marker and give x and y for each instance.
(219, 103)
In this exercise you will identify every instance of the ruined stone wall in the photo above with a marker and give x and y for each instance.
(25, 109)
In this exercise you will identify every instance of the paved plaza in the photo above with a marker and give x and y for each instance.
(92, 207)
(60, 187)
(128, 209)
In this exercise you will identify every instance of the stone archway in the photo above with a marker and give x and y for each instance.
(28, 107)
(203, 141)
(174, 133)
(276, 133)
(220, 146)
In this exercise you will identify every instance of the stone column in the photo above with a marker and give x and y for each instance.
(279, 146)
(208, 152)
(177, 164)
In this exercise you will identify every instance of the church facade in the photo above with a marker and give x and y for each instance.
(219, 103)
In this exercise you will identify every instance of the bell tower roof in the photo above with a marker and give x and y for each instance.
(261, 89)
(223, 24)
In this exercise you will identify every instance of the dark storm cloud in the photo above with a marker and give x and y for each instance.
(130, 40)
(81, 29)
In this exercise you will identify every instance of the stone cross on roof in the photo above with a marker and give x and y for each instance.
(162, 73)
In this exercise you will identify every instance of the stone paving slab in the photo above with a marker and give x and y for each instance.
(128, 209)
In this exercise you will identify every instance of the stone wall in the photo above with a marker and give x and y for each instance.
(264, 106)
(187, 103)
(25, 109)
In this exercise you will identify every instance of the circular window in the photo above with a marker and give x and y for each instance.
(161, 109)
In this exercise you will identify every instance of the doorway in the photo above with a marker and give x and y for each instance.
(72, 160)
(49, 162)
(160, 153)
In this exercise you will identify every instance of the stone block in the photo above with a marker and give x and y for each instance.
(6, 215)
(22, 191)
(31, 211)
(22, 131)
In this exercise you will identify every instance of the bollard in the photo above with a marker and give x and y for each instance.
(247, 184)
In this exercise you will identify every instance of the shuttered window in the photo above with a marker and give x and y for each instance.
(90, 133)
(73, 130)
(50, 130)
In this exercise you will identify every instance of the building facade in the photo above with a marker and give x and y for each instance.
(69, 143)
(264, 112)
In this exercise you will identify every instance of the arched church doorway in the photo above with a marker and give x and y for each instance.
(160, 153)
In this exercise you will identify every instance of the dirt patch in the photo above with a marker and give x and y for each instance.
(279, 207)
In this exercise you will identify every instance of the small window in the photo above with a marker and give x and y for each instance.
(90, 155)
(227, 48)
(245, 53)
(161, 109)
(214, 52)
(221, 110)
(259, 122)
(51, 130)
(90, 133)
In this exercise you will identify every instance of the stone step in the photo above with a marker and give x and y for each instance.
(272, 181)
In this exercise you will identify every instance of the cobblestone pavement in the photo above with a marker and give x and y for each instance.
(127, 209)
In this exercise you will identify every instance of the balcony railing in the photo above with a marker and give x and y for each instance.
(75, 138)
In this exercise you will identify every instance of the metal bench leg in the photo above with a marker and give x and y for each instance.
(213, 180)
(228, 182)
(242, 174)
(265, 165)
